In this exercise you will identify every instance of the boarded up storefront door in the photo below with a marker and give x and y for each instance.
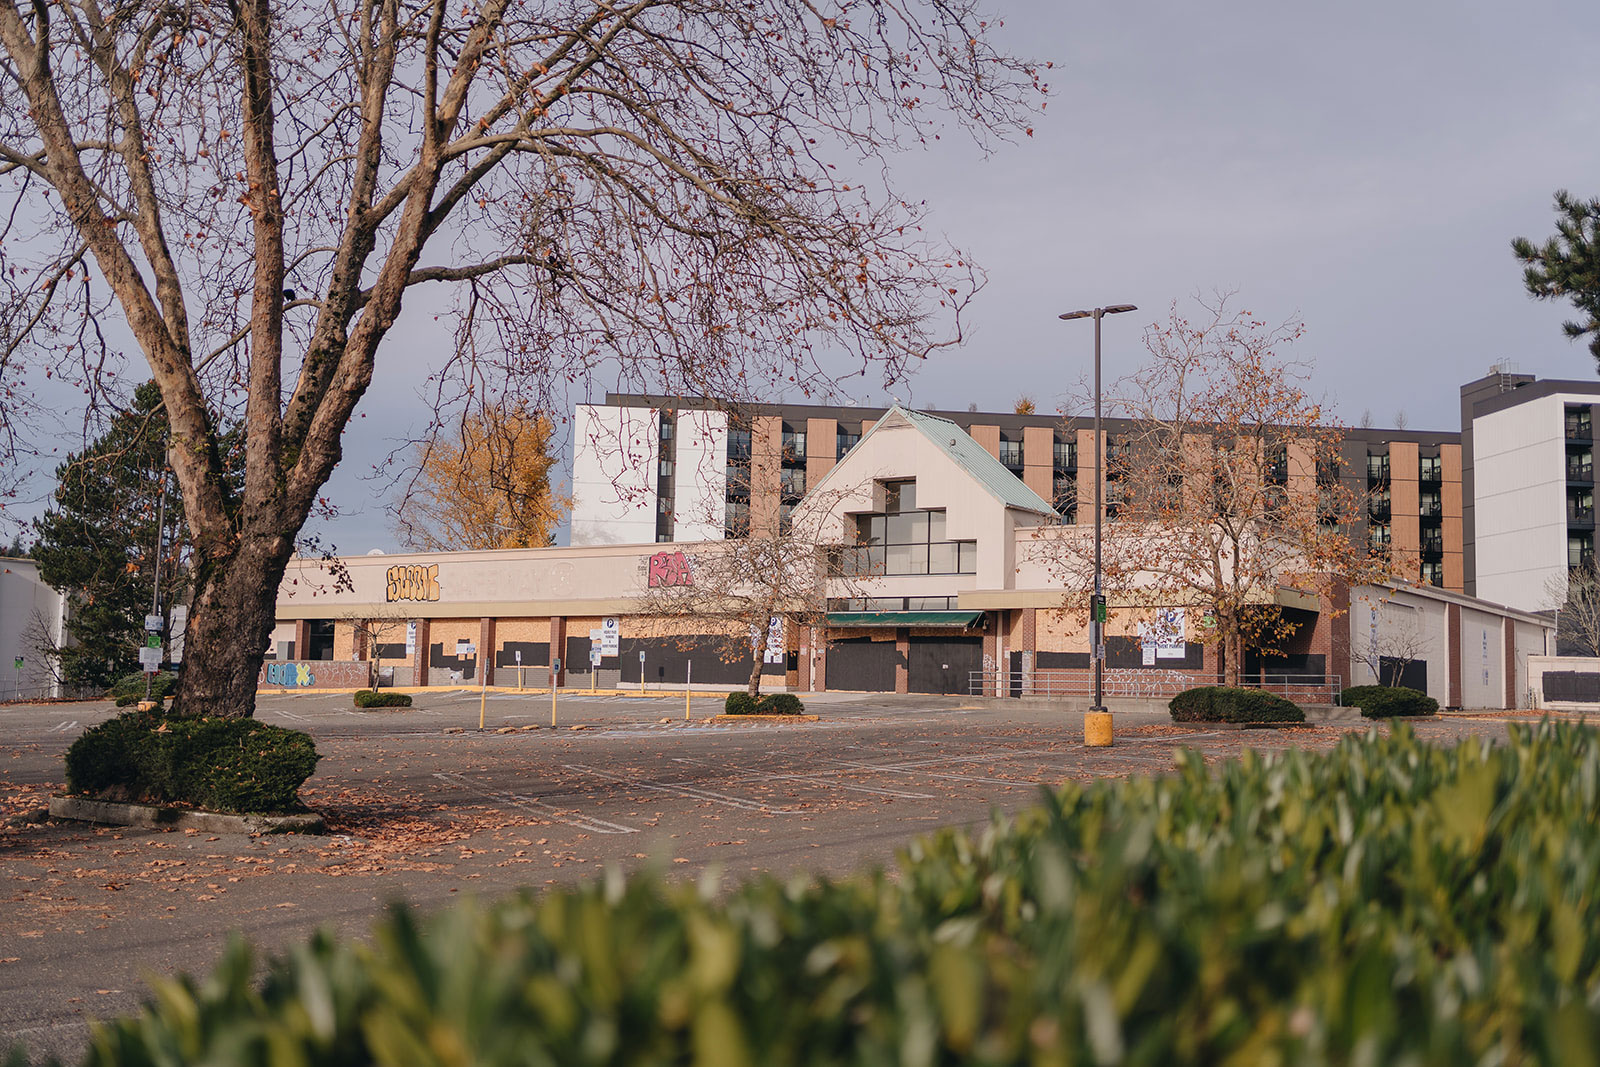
(861, 664)
(944, 664)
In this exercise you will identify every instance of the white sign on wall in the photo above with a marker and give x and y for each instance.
(466, 648)
(610, 636)
(411, 638)
(1162, 637)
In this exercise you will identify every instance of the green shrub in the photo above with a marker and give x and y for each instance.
(1222, 703)
(129, 689)
(780, 704)
(1388, 901)
(1388, 702)
(217, 764)
(739, 704)
(383, 698)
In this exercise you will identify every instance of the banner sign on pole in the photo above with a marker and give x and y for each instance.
(411, 638)
(152, 622)
(150, 659)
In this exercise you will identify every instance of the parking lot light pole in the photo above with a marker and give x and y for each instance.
(1097, 605)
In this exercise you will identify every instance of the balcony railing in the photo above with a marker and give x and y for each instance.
(1580, 430)
(1377, 468)
(1580, 472)
(1430, 508)
(1578, 515)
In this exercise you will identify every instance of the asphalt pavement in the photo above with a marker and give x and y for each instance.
(424, 808)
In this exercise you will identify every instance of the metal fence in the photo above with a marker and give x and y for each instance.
(13, 692)
(1142, 682)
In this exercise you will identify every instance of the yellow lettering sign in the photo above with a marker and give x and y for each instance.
(416, 582)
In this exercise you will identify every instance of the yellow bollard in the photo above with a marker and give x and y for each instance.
(1097, 729)
(552, 698)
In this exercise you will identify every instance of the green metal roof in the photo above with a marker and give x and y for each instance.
(976, 460)
(963, 619)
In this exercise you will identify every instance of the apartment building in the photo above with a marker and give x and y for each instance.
(1529, 484)
(649, 468)
(959, 591)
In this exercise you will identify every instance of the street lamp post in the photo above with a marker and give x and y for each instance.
(1097, 610)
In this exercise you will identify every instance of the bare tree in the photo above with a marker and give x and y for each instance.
(370, 634)
(1394, 648)
(778, 575)
(1225, 488)
(1574, 596)
(249, 192)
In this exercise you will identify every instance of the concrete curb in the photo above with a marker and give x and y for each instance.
(114, 813)
(761, 718)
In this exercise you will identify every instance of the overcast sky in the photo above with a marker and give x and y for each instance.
(1362, 166)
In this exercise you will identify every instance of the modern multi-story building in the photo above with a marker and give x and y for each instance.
(938, 571)
(650, 468)
(1529, 485)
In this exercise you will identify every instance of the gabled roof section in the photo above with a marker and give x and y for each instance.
(970, 456)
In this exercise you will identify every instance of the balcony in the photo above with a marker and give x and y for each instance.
(1580, 470)
(1431, 471)
(1378, 509)
(1011, 454)
(792, 482)
(1578, 515)
(1579, 428)
(1377, 470)
(1065, 455)
(1430, 508)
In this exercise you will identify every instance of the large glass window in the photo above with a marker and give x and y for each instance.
(907, 540)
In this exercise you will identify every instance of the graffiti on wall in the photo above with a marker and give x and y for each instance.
(416, 582)
(290, 674)
(669, 569)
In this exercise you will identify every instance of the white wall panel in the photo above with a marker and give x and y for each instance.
(615, 451)
(1520, 479)
(701, 476)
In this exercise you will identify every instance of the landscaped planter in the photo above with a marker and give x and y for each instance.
(117, 813)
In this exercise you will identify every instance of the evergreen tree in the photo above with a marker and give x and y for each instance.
(1568, 265)
(98, 543)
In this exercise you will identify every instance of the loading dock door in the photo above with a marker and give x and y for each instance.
(861, 664)
(944, 664)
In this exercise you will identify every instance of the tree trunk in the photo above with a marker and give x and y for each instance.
(755, 671)
(230, 623)
(1232, 649)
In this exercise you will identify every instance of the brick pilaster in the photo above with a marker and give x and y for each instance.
(902, 665)
(486, 649)
(302, 638)
(1453, 636)
(419, 658)
(1509, 667)
(558, 646)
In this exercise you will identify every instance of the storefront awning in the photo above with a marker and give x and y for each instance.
(964, 620)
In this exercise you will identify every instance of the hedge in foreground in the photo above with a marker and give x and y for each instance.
(1388, 702)
(216, 764)
(369, 698)
(1222, 703)
(1386, 902)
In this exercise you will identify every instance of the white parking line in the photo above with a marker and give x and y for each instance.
(811, 780)
(538, 807)
(64, 727)
(688, 791)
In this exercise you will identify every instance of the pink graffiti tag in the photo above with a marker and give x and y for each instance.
(669, 569)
